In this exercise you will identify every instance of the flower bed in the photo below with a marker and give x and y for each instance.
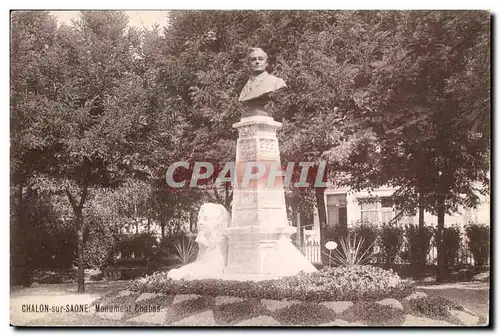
(374, 314)
(306, 314)
(355, 283)
(232, 311)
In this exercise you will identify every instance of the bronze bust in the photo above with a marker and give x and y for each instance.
(255, 93)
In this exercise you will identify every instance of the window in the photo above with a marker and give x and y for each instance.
(408, 219)
(386, 209)
(336, 210)
(369, 211)
(376, 209)
(386, 202)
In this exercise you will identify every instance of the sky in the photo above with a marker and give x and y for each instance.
(137, 18)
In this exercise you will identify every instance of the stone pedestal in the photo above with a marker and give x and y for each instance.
(259, 234)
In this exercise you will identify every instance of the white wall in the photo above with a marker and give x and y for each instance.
(481, 214)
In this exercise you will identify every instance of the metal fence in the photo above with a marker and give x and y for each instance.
(311, 250)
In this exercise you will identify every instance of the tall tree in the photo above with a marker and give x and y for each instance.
(423, 141)
(33, 36)
(100, 114)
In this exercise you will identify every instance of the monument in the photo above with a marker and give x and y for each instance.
(259, 234)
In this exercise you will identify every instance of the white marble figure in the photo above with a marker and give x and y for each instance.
(213, 219)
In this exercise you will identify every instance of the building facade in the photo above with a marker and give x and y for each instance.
(345, 207)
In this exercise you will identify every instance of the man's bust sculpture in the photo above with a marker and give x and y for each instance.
(255, 93)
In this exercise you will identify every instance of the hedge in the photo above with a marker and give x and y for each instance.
(330, 284)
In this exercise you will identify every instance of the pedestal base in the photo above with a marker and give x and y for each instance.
(255, 254)
(258, 238)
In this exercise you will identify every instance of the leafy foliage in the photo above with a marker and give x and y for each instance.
(452, 239)
(236, 311)
(329, 284)
(304, 314)
(140, 245)
(418, 244)
(391, 241)
(366, 230)
(396, 98)
(479, 242)
(374, 314)
(186, 250)
(186, 308)
(351, 252)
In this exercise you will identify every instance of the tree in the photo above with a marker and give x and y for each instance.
(96, 123)
(373, 93)
(33, 35)
(422, 143)
(305, 48)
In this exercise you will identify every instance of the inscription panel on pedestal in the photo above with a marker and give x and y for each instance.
(268, 149)
(244, 217)
(272, 217)
(271, 197)
(247, 131)
(246, 147)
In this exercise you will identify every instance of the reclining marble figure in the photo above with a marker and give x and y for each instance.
(213, 219)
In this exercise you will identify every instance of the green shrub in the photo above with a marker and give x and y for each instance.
(166, 248)
(330, 284)
(373, 313)
(304, 313)
(432, 306)
(418, 245)
(186, 250)
(140, 245)
(187, 308)
(366, 230)
(335, 233)
(451, 245)
(97, 277)
(391, 240)
(235, 312)
(479, 242)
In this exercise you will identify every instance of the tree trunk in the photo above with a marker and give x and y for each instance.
(420, 253)
(421, 221)
(441, 270)
(320, 203)
(80, 247)
(162, 225)
(20, 225)
(80, 229)
(229, 200)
